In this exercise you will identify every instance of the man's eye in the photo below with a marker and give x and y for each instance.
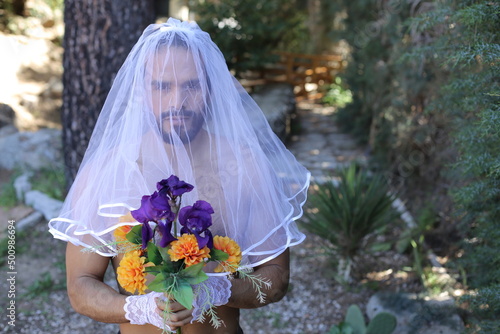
(162, 86)
(193, 85)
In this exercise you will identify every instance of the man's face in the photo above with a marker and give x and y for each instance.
(177, 97)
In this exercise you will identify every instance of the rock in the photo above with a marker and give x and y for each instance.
(7, 115)
(48, 206)
(416, 315)
(56, 89)
(22, 185)
(30, 102)
(17, 213)
(7, 130)
(277, 102)
(53, 89)
(29, 221)
(32, 150)
(49, 23)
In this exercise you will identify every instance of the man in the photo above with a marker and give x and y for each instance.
(174, 108)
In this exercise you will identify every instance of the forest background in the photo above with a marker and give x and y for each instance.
(424, 82)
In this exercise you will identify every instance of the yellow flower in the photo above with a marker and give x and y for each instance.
(186, 247)
(230, 247)
(121, 232)
(131, 275)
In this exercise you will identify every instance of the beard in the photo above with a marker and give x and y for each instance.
(189, 127)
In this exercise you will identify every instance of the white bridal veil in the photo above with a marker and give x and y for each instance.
(174, 108)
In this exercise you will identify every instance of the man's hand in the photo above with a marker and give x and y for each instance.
(142, 310)
(176, 316)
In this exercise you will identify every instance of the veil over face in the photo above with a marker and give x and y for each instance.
(174, 108)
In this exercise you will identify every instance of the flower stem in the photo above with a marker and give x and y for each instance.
(177, 208)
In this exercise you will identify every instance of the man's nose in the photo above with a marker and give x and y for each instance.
(176, 99)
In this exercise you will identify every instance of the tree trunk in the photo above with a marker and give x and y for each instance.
(98, 37)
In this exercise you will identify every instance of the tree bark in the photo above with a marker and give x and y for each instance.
(98, 37)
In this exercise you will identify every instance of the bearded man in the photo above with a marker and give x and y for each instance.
(175, 109)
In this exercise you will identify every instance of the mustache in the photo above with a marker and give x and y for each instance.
(177, 113)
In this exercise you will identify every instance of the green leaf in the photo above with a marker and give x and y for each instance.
(382, 323)
(193, 270)
(381, 246)
(135, 235)
(194, 274)
(334, 330)
(345, 328)
(198, 279)
(218, 255)
(154, 269)
(158, 284)
(170, 266)
(164, 254)
(154, 254)
(342, 328)
(355, 319)
(183, 293)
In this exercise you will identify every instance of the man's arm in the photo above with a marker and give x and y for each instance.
(87, 292)
(276, 271)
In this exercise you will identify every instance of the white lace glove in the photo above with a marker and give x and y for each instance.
(141, 310)
(214, 291)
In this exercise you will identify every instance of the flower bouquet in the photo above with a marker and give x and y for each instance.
(176, 260)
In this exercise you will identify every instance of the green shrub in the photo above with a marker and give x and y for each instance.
(425, 80)
(8, 197)
(51, 182)
(248, 31)
(471, 97)
(347, 213)
(337, 95)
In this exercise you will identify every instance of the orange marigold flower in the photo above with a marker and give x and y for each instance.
(131, 275)
(230, 247)
(186, 247)
(121, 232)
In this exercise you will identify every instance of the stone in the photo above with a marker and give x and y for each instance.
(48, 206)
(30, 102)
(7, 130)
(277, 102)
(53, 89)
(56, 90)
(7, 115)
(32, 150)
(417, 315)
(29, 221)
(22, 185)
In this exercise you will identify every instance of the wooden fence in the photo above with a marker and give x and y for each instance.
(297, 69)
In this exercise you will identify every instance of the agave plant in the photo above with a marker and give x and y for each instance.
(346, 212)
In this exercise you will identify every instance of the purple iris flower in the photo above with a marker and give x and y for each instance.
(144, 215)
(196, 220)
(160, 202)
(146, 212)
(153, 210)
(166, 234)
(158, 208)
(173, 187)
